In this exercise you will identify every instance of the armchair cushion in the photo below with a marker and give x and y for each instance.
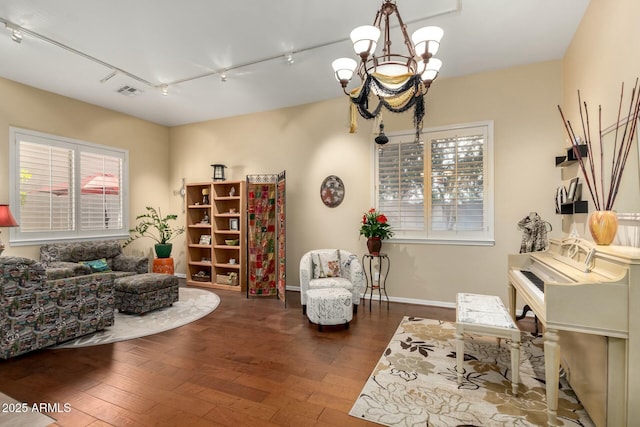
(331, 282)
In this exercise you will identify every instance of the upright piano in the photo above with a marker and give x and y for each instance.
(587, 298)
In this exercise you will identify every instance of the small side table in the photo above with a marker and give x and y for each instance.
(163, 265)
(381, 283)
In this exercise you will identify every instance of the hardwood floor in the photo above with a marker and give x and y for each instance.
(252, 362)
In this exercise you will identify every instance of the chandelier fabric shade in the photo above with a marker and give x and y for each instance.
(399, 80)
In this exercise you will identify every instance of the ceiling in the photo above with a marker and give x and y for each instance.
(72, 47)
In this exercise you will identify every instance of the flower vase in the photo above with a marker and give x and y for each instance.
(374, 244)
(603, 226)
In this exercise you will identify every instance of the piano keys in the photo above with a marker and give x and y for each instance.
(584, 304)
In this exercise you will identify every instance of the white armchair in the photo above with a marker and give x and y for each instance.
(331, 268)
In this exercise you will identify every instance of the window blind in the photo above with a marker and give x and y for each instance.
(457, 183)
(65, 189)
(401, 184)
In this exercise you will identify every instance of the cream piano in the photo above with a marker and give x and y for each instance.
(587, 298)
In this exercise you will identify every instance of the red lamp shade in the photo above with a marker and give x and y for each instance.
(6, 219)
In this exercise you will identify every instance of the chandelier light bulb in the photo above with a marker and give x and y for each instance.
(344, 69)
(427, 40)
(430, 70)
(365, 39)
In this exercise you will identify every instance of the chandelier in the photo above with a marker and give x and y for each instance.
(399, 80)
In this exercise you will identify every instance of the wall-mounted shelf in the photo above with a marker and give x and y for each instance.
(580, 206)
(570, 158)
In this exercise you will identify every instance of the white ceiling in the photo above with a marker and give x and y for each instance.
(164, 41)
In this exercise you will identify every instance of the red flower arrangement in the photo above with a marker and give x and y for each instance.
(374, 224)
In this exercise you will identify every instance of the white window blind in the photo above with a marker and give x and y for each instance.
(66, 189)
(401, 184)
(100, 195)
(438, 189)
(46, 196)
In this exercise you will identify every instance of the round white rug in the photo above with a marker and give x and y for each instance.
(192, 305)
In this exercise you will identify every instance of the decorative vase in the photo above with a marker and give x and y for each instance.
(374, 244)
(163, 250)
(603, 226)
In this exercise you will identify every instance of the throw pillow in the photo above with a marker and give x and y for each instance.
(97, 265)
(328, 265)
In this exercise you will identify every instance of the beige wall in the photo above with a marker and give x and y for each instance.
(311, 142)
(29, 108)
(602, 56)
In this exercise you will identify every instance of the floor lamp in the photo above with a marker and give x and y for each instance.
(6, 220)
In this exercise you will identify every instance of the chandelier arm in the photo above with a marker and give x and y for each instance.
(405, 35)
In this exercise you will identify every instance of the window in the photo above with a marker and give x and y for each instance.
(64, 189)
(438, 189)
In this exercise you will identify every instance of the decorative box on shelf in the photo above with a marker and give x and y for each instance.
(201, 277)
(227, 279)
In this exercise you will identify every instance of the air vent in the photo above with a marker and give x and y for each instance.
(129, 91)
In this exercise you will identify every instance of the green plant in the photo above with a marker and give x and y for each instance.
(153, 220)
(374, 224)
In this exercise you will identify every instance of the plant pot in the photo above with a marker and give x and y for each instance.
(374, 244)
(163, 250)
(603, 226)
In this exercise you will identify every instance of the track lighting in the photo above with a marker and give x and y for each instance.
(289, 58)
(109, 77)
(165, 90)
(16, 34)
(223, 77)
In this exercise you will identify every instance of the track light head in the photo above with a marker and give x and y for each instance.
(16, 34)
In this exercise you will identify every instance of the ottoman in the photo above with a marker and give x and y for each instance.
(329, 306)
(141, 293)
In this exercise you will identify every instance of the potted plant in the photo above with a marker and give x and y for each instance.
(375, 228)
(163, 234)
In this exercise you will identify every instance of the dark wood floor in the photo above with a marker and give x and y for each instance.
(251, 362)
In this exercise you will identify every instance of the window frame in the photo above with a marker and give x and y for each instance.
(482, 238)
(18, 238)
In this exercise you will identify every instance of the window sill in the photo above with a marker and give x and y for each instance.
(459, 242)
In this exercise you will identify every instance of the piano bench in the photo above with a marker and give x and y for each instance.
(486, 315)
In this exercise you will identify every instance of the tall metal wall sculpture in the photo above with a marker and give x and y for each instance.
(266, 231)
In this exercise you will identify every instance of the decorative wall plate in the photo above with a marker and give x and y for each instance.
(332, 191)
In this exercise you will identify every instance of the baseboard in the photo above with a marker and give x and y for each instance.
(443, 304)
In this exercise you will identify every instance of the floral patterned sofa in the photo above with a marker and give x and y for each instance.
(135, 289)
(71, 259)
(36, 312)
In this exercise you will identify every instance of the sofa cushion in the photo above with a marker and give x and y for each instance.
(79, 251)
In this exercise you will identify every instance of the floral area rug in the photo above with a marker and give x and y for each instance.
(192, 305)
(415, 382)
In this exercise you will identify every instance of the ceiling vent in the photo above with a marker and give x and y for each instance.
(129, 91)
